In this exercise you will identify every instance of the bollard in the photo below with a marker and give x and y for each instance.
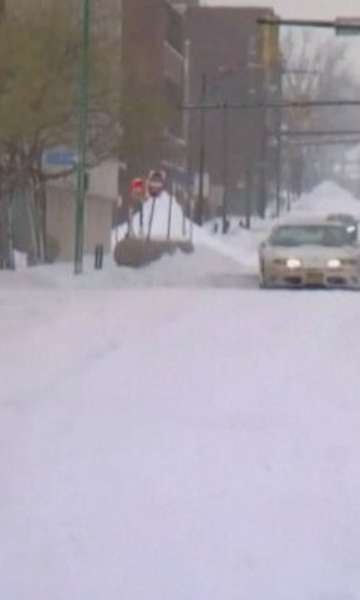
(99, 256)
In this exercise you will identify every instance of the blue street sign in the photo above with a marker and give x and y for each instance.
(60, 158)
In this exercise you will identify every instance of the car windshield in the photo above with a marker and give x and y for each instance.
(347, 219)
(309, 235)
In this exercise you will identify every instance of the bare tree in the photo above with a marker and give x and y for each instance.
(316, 70)
(38, 108)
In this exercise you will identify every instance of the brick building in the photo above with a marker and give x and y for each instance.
(152, 86)
(227, 49)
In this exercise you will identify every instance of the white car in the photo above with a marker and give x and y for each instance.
(311, 252)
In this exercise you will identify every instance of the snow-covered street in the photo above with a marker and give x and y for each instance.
(178, 441)
(181, 444)
(179, 300)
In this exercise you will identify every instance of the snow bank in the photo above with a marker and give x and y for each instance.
(241, 244)
(182, 228)
(164, 206)
(212, 260)
(204, 268)
(326, 198)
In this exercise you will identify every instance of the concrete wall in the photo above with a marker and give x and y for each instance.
(61, 221)
(104, 180)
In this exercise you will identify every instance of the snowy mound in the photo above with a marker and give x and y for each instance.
(167, 213)
(180, 228)
(326, 198)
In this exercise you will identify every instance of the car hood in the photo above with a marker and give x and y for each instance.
(312, 254)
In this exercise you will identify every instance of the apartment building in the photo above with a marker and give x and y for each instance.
(152, 86)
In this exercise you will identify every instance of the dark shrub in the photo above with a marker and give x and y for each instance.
(137, 252)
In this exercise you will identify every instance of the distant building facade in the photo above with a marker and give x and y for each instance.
(231, 52)
(152, 86)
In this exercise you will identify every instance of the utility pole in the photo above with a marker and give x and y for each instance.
(82, 138)
(10, 255)
(262, 204)
(249, 187)
(186, 88)
(225, 166)
(200, 205)
(186, 125)
(279, 143)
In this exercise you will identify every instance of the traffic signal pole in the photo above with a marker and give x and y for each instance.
(342, 26)
(287, 104)
(199, 213)
(82, 138)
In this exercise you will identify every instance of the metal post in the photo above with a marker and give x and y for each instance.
(141, 219)
(151, 218)
(262, 199)
(279, 147)
(186, 89)
(200, 204)
(82, 138)
(225, 167)
(248, 204)
(191, 225)
(170, 208)
(10, 258)
(183, 214)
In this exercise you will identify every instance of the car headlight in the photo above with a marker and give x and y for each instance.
(351, 228)
(334, 263)
(293, 263)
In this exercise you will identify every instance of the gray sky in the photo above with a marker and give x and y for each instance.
(317, 9)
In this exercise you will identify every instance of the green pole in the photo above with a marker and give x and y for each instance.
(82, 138)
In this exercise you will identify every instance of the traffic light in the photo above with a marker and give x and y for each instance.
(270, 40)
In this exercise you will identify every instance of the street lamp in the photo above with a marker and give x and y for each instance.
(82, 138)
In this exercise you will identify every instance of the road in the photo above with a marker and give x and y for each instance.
(179, 443)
